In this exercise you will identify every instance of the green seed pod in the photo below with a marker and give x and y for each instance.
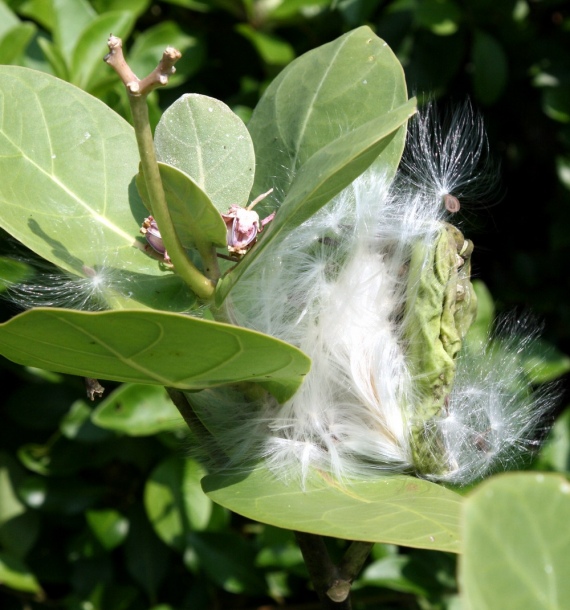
(440, 307)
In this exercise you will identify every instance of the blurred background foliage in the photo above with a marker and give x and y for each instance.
(98, 507)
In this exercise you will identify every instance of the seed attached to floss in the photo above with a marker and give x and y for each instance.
(451, 203)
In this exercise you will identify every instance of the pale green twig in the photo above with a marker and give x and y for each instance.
(137, 91)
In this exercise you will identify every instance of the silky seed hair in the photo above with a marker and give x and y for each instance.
(336, 288)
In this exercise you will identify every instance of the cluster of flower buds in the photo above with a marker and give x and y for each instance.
(242, 224)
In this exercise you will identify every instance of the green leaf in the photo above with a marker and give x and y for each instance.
(76, 425)
(16, 575)
(439, 16)
(40, 11)
(272, 49)
(174, 501)
(229, 561)
(390, 573)
(19, 526)
(87, 67)
(14, 43)
(480, 331)
(137, 7)
(13, 272)
(138, 410)
(68, 163)
(198, 507)
(54, 57)
(8, 19)
(109, 527)
(202, 137)
(396, 509)
(516, 544)
(321, 96)
(57, 457)
(490, 68)
(151, 347)
(322, 177)
(63, 496)
(555, 454)
(193, 214)
(71, 17)
(543, 362)
(147, 558)
(556, 103)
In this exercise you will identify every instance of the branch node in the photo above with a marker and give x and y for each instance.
(135, 86)
(339, 591)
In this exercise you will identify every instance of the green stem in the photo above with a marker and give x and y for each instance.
(333, 593)
(210, 261)
(197, 428)
(200, 284)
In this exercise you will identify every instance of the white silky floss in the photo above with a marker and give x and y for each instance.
(336, 288)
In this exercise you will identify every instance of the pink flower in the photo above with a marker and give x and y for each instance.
(243, 225)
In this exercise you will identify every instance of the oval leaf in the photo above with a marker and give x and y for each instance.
(193, 214)
(108, 526)
(394, 509)
(67, 162)
(137, 410)
(320, 96)
(322, 177)
(516, 544)
(174, 501)
(151, 347)
(202, 137)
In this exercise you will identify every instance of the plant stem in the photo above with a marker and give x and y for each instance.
(137, 91)
(200, 284)
(196, 426)
(332, 583)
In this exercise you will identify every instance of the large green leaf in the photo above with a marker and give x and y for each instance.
(67, 163)
(322, 95)
(202, 137)
(151, 347)
(516, 544)
(322, 177)
(395, 509)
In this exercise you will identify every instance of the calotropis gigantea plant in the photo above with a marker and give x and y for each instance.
(316, 346)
